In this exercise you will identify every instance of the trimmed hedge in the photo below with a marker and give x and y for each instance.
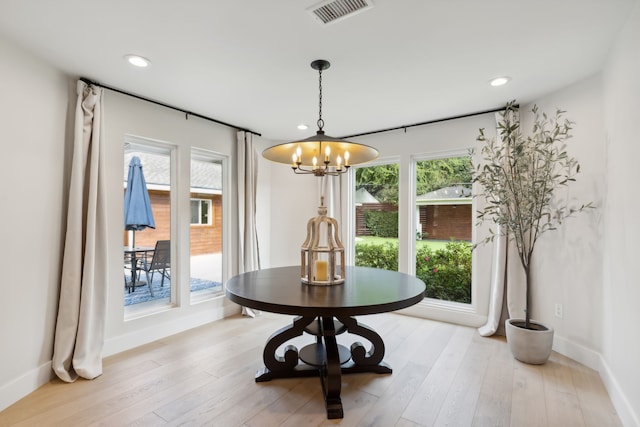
(384, 256)
(446, 272)
(382, 223)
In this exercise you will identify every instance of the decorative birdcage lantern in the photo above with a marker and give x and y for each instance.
(322, 251)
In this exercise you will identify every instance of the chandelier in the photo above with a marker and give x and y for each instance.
(320, 154)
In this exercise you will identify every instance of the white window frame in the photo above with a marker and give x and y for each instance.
(147, 144)
(449, 311)
(224, 160)
(453, 312)
(209, 218)
(349, 231)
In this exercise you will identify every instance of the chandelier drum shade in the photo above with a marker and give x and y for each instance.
(320, 154)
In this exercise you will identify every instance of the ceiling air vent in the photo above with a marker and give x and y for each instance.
(330, 11)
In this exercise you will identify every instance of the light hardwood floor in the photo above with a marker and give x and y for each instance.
(443, 374)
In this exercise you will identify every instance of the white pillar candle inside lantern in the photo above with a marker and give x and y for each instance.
(322, 251)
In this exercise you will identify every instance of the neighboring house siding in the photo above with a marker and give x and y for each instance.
(205, 239)
(445, 222)
(441, 222)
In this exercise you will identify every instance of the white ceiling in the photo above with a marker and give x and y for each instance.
(247, 62)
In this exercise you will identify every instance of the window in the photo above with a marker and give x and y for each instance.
(443, 227)
(441, 240)
(147, 237)
(200, 212)
(148, 278)
(412, 151)
(205, 239)
(376, 216)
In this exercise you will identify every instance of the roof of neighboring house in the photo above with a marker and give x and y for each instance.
(363, 196)
(454, 195)
(205, 175)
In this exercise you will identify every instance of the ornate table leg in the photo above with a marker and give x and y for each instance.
(363, 360)
(331, 372)
(277, 366)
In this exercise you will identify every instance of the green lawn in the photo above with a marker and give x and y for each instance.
(433, 244)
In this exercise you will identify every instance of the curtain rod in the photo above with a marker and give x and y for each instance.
(188, 113)
(462, 116)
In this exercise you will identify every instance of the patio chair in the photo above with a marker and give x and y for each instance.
(160, 261)
(132, 270)
(129, 280)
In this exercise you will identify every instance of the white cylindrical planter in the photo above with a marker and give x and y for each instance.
(531, 346)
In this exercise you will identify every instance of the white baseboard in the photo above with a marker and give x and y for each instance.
(626, 413)
(162, 330)
(20, 387)
(594, 360)
(446, 312)
(579, 353)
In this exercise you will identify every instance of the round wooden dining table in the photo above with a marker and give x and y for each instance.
(324, 312)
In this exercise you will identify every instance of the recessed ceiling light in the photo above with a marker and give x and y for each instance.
(302, 126)
(499, 81)
(137, 61)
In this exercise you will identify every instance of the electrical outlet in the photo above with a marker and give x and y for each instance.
(558, 310)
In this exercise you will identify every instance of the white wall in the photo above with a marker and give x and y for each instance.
(33, 178)
(567, 263)
(293, 200)
(621, 293)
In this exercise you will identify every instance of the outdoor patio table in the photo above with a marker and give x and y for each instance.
(324, 311)
(136, 254)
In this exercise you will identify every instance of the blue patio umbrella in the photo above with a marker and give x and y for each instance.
(137, 206)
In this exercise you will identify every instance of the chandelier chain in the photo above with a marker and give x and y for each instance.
(320, 121)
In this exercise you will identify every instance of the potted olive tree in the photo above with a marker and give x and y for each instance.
(519, 177)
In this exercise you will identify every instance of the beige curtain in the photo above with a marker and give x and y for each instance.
(79, 335)
(498, 311)
(248, 248)
(500, 288)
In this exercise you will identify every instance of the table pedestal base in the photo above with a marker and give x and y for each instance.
(325, 359)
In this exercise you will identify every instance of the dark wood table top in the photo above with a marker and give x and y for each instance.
(365, 291)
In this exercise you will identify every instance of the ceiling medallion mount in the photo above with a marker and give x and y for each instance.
(320, 64)
(320, 154)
